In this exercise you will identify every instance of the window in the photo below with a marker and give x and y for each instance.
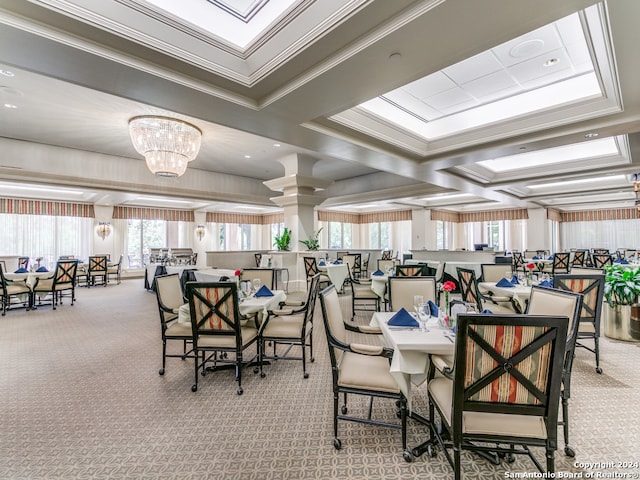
(276, 230)
(380, 235)
(340, 235)
(235, 236)
(441, 235)
(142, 236)
(494, 234)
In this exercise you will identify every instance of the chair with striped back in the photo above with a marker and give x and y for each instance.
(63, 280)
(579, 258)
(601, 260)
(505, 388)
(561, 263)
(419, 270)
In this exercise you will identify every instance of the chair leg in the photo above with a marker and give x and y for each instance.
(336, 441)
(239, 391)
(457, 473)
(304, 358)
(164, 356)
(596, 349)
(569, 452)
(551, 467)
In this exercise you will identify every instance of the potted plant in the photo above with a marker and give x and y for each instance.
(622, 313)
(313, 242)
(283, 241)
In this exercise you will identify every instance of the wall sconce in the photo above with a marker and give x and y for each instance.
(104, 230)
(200, 231)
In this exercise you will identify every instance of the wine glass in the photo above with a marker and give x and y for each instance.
(508, 275)
(256, 284)
(417, 301)
(424, 314)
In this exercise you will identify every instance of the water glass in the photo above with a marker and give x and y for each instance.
(417, 301)
(256, 284)
(424, 313)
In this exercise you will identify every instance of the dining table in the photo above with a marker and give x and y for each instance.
(519, 293)
(337, 273)
(379, 284)
(215, 274)
(29, 277)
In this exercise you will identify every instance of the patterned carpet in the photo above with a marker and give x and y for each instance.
(81, 398)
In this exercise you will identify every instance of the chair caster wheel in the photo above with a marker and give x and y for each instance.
(407, 456)
(337, 444)
(569, 452)
(431, 451)
(239, 391)
(262, 375)
(344, 410)
(161, 371)
(510, 458)
(194, 388)
(599, 370)
(313, 359)
(306, 375)
(256, 369)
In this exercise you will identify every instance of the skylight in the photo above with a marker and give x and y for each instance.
(605, 179)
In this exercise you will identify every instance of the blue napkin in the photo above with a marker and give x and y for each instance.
(550, 257)
(402, 318)
(486, 311)
(514, 280)
(546, 283)
(337, 262)
(378, 272)
(264, 292)
(42, 269)
(433, 308)
(621, 261)
(536, 257)
(21, 270)
(321, 263)
(503, 282)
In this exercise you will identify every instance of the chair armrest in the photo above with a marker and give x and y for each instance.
(281, 311)
(292, 303)
(362, 281)
(369, 330)
(442, 366)
(366, 349)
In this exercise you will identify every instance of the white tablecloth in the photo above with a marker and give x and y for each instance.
(336, 273)
(379, 284)
(411, 349)
(29, 277)
(214, 274)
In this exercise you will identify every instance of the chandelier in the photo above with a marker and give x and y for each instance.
(166, 143)
(104, 230)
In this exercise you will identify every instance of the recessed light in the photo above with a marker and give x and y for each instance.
(523, 148)
(550, 62)
(591, 135)
(276, 145)
(7, 73)
(10, 105)
(247, 156)
(395, 56)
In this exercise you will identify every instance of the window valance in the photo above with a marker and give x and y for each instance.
(599, 215)
(445, 216)
(43, 207)
(553, 214)
(494, 215)
(143, 213)
(372, 217)
(238, 218)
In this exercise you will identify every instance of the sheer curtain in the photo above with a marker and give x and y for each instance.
(45, 236)
(609, 234)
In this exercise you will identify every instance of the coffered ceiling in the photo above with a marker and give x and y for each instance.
(451, 104)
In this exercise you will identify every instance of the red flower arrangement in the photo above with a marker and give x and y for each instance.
(237, 273)
(530, 266)
(448, 286)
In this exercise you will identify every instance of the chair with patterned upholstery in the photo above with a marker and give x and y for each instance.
(217, 329)
(579, 258)
(419, 270)
(505, 388)
(549, 301)
(561, 263)
(290, 326)
(97, 271)
(311, 269)
(14, 289)
(601, 260)
(170, 299)
(258, 258)
(358, 369)
(23, 263)
(471, 294)
(386, 255)
(62, 280)
(517, 262)
(591, 286)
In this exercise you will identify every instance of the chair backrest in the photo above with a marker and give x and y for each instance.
(591, 286)
(65, 273)
(258, 259)
(469, 287)
(561, 262)
(3, 279)
(23, 262)
(494, 272)
(402, 289)
(386, 255)
(266, 276)
(365, 260)
(214, 311)
(411, 270)
(384, 264)
(312, 295)
(579, 258)
(333, 324)
(341, 254)
(169, 296)
(310, 266)
(357, 266)
(350, 259)
(517, 260)
(98, 263)
(529, 254)
(586, 271)
(601, 251)
(508, 364)
(601, 259)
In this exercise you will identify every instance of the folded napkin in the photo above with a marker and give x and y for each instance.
(546, 283)
(402, 318)
(433, 308)
(42, 269)
(537, 257)
(514, 280)
(21, 270)
(337, 262)
(503, 282)
(321, 263)
(486, 311)
(621, 261)
(264, 292)
(378, 272)
(550, 257)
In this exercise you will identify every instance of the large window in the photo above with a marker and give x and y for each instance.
(380, 235)
(142, 236)
(340, 235)
(442, 235)
(45, 237)
(494, 234)
(234, 236)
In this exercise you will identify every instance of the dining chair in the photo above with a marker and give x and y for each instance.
(17, 289)
(365, 264)
(290, 326)
(341, 254)
(97, 269)
(218, 331)
(385, 263)
(170, 299)
(311, 269)
(386, 255)
(505, 388)
(601, 260)
(494, 272)
(591, 286)
(350, 260)
(579, 258)
(23, 262)
(419, 270)
(517, 261)
(561, 263)
(62, 280)
(362, 296)
(266, 276)
(401, 291)
(471, 294)
(115, 270)
(549, 301)
(358, 369)
(258, 259)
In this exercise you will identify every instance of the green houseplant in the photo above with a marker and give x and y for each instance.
(313, 242)
(621, 314)
(283, 241)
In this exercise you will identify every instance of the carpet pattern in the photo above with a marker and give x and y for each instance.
(81, 398)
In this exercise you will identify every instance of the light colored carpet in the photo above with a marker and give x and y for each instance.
(81, 398)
